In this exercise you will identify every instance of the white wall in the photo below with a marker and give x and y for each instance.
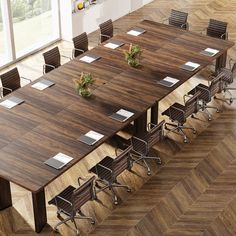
(87, 20)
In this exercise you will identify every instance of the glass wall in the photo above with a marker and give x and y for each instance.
(34, 24)
(29, 25)
(5, 55)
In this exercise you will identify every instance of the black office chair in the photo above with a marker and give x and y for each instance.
(11, 81)
(217, 29)
(71, 199)
(179, 113)
(106, 29)
(227, 80)
(178, 19)
(142, 145)
(80, 44)
(52, 59)
(109, 169)
(208, 92)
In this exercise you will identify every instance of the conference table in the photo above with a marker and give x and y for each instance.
(52, 120)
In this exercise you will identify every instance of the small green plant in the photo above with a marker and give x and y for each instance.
(132, 56)
(82, 84)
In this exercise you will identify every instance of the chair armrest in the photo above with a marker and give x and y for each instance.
(106, 168)
(66, 57)
(165, 20)
(76, 49)
(25, 78)
(186, 96)
(185, 24)
(63, 199)
(6, 88)
(49, 66)
(104, 35)
(139, 140)
(225, 34)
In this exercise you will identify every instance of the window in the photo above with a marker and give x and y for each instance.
(5, 54)
(26, 25)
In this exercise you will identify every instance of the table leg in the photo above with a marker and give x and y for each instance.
(5, 194)
(221, 61)
(39, 208)
(154, 113)
(140, 125)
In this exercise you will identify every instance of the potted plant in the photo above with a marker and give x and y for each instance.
(82, 84)
(132, 56)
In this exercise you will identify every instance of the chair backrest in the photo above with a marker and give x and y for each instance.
(106, 29)
(83, 193)
(121, 162)
(191, 105)
(216, 84)
(143, 144)
(80, 42)
(217, 29)
(178, 19)
(52, 57)
(11, 80)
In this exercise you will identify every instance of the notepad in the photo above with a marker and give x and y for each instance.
(42, 84)
(209, 52)
(122, 115)
(11, 102)
(190, 66)
(89, 58)
(91, 137)
(168, 81)
(58, 161)
(114, 44)
(136, 31)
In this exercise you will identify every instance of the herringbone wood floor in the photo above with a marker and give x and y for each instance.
(193, 193)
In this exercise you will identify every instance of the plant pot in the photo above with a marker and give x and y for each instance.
(85, 93)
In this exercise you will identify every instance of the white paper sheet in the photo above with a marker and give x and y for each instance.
(87, 59)
(40, 86)
(94, 135)
(212, 50)
(125, 113)
(134, 33)
(63, 158)
(192, 64)
(111, 45)
(171, 80)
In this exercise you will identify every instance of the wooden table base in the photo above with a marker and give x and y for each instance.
(39, 207)
(5, 194)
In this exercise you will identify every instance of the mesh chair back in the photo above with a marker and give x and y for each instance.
(178, 19)
(121, 162)
(80, 42)
(217, 29)
(191, 106)
(11, 80)
(52, 57)
(106, 29)
(83, 194)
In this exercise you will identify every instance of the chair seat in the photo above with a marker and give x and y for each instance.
(66, 194)
(177, 105)
(205, 96)
(100, 171)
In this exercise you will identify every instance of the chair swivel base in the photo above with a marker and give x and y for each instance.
(111, 186)
(72, 219)
(229, 100)
(142, 159)
(179, 128)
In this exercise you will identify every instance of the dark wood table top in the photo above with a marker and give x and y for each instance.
(52, 120)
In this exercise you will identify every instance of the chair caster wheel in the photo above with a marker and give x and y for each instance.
(159, 162)
(230, 100)
(209, 119)
(185, 140)
(77, 232)
(148, 173)
(93, 222)
(116, 203)
(56, 231)
(58, 215)
(194, 131)
(218, 111)
(192, 116)
(129, 190)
